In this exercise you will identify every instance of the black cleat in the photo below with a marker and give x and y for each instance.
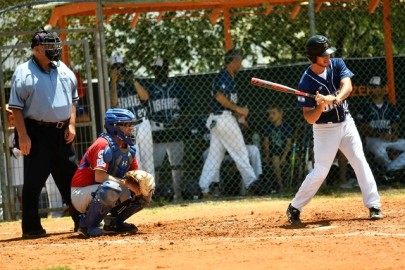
(122, 228)
(375, 213)
(293, 215)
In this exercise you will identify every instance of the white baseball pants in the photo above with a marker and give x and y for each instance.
(328, 138)
(226, 136)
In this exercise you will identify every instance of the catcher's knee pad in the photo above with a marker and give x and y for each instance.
(108, 193)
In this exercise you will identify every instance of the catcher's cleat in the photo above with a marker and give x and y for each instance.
(35, 234)
(122, 228)
(375, 213)
(89, 232)
(293, 215)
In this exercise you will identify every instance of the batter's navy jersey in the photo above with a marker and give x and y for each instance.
(166, 101)
(129, 99)
(224, 83)
(311, 83)
(380, 119)
(277, 136)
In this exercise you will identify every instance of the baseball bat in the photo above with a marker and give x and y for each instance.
(279, 87)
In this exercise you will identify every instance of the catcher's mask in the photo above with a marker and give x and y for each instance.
(318, 45)
(51, 43)
(115, 119)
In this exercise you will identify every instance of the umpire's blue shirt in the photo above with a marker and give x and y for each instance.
(43, 96)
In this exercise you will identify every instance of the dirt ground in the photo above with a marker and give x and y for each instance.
(238, 234)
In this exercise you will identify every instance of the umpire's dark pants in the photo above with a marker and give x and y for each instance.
(49, 155)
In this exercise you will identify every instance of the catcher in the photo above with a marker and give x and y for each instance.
(107, 185)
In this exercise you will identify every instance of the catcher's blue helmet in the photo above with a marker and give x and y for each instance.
(116, 117)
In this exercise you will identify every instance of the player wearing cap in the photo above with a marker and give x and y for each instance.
(168, 100)
(333, 127)
(226, 135)
(127, 93)
(43, 96)
(379, 123)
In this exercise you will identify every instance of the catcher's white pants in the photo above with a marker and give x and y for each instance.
(254, 158)
(328, 138)
(378, 147)
(226, 136)
(144, 147)
(174, 152)
(81, 196)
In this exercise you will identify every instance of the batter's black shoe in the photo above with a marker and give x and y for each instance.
(293, 215)
(375, 213)
(122, 228)
(35, 234)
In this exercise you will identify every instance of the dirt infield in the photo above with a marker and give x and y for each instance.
(240, 234)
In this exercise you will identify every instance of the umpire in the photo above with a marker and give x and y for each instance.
(42, 98)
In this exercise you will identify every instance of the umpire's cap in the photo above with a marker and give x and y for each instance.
(319, 45)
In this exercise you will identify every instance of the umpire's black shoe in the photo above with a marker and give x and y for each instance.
(34, 234)
(293, 215)
(375, 213)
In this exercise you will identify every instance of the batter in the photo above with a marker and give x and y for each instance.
(333, 127)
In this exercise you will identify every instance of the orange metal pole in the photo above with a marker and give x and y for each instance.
(227, 29)
(388, 53)
(65, 49)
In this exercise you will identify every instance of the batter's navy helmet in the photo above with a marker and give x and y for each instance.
(115, 117)
(318, 45)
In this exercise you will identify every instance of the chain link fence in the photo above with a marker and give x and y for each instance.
(133, 42)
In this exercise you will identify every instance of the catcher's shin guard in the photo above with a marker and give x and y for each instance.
(104, 200)
(122, 212)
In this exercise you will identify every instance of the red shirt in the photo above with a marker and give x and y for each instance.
(85, 175)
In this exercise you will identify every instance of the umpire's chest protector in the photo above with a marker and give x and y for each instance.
(119, 160)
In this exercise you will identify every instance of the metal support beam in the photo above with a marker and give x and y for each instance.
(373, 5)
(388, 52)
(227, 29)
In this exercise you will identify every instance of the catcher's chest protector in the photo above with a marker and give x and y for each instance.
(119, 160)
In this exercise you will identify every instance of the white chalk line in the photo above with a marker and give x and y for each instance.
(126, 240)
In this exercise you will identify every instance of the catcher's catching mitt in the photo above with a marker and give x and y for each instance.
(141, 180)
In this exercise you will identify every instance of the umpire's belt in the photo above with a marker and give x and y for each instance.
(59, 125)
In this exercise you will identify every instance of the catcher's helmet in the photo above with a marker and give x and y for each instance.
(116, 117)
(51, 42)
(318, 45)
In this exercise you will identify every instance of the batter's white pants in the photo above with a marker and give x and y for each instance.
(378, 147)
(328, 138)
(254, 158)
(226, 136)
(174, 152)
(144, 147)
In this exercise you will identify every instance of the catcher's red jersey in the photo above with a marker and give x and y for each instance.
(91, 161)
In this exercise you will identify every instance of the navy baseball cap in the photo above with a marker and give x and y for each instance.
(232, 54)
(38, 38)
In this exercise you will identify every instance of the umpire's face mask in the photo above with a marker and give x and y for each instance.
(53, 47)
